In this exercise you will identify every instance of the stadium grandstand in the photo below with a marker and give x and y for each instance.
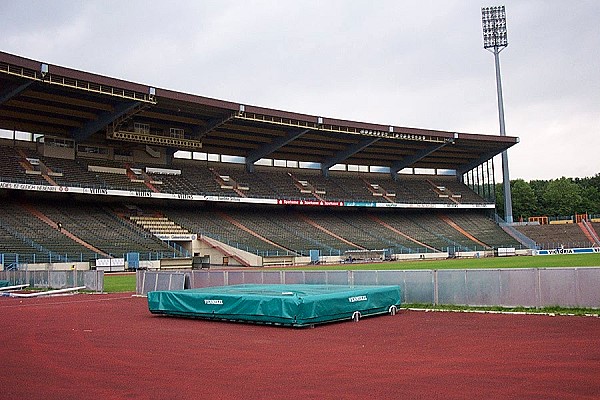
(100, 168)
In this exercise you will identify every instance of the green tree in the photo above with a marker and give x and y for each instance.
(591, 200)
(589, 182)
(524, 200)
(562, 197)
(595, 181)
(539, 187)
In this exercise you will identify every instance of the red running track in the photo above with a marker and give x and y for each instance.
(111, 347)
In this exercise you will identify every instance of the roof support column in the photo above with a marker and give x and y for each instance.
(9, 94)
(105, 118)
(269, 148)
(419, 155)
(347, 153)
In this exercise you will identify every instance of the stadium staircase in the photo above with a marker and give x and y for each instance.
(418, 229)
(70, 173)
(211, 224)
(589, 232)
(227, 182)
(359, 229)
(382, 237)
(297, 234)
(378, 191)
(141, 177)
(253, 185)
(51, 181)
(305, 187)
(27, 163)
(444, 193)
(215, 244)
(519, 237)
(327, 188)
(106, 229)
(351, 187)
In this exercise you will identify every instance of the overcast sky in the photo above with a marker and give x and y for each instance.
(406, 63)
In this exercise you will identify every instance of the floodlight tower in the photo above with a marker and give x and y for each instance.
(493, 20)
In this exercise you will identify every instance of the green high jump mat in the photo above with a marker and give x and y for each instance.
(290, 305)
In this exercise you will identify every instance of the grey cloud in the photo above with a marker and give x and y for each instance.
(408, 63)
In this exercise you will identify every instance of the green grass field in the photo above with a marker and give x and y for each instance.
(553, 261)
(126, 282)
(119, 283)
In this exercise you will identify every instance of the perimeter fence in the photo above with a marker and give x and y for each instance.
(92, 280)
(531, 287)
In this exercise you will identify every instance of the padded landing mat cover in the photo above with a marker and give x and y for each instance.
(295, 305)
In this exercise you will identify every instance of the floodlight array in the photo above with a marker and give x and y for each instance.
(493, 20)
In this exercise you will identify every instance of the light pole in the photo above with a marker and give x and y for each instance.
(493, 20)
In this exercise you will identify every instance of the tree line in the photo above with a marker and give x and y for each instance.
(555, 198)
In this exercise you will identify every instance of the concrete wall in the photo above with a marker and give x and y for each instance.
(80, 266)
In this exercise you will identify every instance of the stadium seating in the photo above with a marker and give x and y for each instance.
(215, 225)
(318, 226)
(551, 236)
(72, 173)
(14, 167)
(418, 228)
(257, 186)
(356, 189)
(203, 181)
(335, 232)
(269, 226)
(115, 175)
(96, 225)
(208, 179)
(321, 187)
(457, 188)
(16, 247)
(260, 230)
(263, 231)
(21, 223)
(484, 229)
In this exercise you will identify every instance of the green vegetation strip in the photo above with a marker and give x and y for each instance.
(553, 261)
(555, 310)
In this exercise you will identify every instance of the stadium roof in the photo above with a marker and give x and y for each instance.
(89, 108)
